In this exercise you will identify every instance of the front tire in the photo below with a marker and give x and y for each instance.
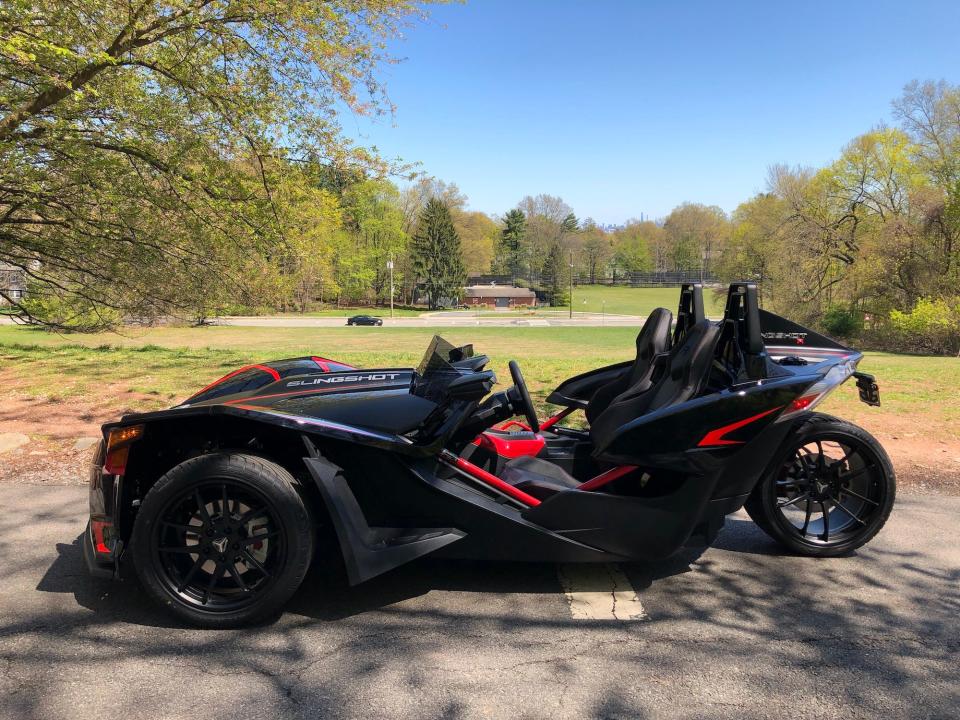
(222, 540)
(830, 490)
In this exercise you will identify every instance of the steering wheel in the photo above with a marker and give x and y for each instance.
(526, 404)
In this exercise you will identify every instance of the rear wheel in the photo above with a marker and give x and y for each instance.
(222, 540)
(831, 489)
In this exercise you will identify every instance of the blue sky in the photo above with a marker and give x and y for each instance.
(623, 108)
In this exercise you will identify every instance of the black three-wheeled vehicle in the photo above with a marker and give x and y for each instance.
(221, 502)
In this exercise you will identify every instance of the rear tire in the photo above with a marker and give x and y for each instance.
(818, 504)
(222, 540)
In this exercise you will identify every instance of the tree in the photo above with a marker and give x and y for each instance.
(375, 222)
(546, 217)
(478, 235)
(511, 248)
(436, 256)
(595, 250)
(696, 234)
(631, 246)
(556, 276)
(135, 139)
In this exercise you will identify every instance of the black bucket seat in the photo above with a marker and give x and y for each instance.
(685, 371)
(652, 340)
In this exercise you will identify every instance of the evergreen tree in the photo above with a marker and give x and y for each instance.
(509, 257)
(554, 276)
(436, 255)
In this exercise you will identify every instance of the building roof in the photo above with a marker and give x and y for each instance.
(498, 291)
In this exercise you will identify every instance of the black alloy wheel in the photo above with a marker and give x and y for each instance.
(222, 539)
(219, 545)
(830, 492)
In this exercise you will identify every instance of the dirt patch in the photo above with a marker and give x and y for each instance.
(54, 426)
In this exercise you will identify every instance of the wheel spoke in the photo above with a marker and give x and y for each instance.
(251, 515)
(848, 491)
(189, 576)
(849, 513)
(224, 503)
(202, 505)
(821, 460)
(232, 569)
(858, 473)
(806, 519)
(214, 576)
(849, 453)
(251, 560)
(826, 521)
(257, 538)
(795, 500)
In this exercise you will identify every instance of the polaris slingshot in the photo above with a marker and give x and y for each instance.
(222, 501)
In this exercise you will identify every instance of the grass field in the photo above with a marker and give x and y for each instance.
(586, 298)
(166, 364)
(636, 301)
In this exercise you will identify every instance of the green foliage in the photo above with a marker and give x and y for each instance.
(436, 256)
(139, 143)
(556, 276)
(933, 325)
(631, 249)
(842, 321)
(509, 258)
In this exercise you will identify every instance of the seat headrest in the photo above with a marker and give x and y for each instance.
(698, 338)
(654, 337)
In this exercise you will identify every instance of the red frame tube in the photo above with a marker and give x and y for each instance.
(607, 477)
(551, 421)
(491, 480)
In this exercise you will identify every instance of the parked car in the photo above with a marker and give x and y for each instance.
(364, 320)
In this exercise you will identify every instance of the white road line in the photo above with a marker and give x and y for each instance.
(600, 592)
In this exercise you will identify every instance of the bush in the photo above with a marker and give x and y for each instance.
(933, 325)
(842, 321)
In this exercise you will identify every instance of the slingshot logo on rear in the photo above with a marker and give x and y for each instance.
(337, 379)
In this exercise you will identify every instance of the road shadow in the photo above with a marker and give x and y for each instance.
(325, 593)
(879, 629)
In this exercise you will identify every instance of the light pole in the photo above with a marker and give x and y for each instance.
(571, 285)
(390, 268)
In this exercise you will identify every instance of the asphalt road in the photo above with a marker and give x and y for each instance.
(738, 631)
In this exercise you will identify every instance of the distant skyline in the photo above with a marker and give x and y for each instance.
(623, 108)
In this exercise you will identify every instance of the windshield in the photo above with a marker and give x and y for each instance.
(436, 370)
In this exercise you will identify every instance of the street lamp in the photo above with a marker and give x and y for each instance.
(571, 286)
(390, 268)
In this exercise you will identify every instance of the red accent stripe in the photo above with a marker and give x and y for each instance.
(266, 369)
(495, 482)
(607, 477)
(715, 438)
(551, 421)
(324, 363)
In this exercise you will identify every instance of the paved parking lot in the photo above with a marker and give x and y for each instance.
(737, 631)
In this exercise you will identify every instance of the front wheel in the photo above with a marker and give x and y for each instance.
(223, 539)
(829, 492)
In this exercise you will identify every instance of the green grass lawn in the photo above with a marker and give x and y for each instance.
(586, 298)
(636, 301)
(167, 364)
